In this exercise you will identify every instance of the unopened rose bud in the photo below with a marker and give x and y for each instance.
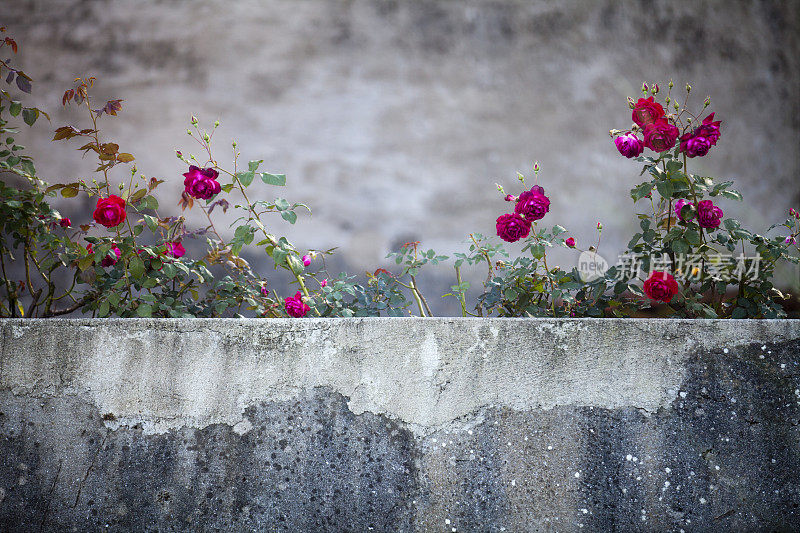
(500, 188)
(264, 290)
(206, 137)
(324, 282)
(216, 123)
(306, 260)
(793, 212)
(599, 226)
(670, 84)
(188, 132)
(234, 145)
(668, 100)
(789, 240)
(194, 120)
(676, 106)
(644, 87)
(688, 88)
(631, 103)
(707, 102)
(570, 242)
(178, 154)
(655, 89)
(511, 198)
(536, 166)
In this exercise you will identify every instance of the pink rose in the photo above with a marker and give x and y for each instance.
(708, 215)
(532, 204)
(110, 212)
(629, 145)
(175, 249)
(512, 227)
(570, 242)
(306, 260)
(201, 183)
(295, 306)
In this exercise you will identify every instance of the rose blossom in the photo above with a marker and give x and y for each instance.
(175, 249)
(532, 204)
(306, 260)
(201, 183)
(660, 286)
(570, 242)
(789, 240)
(793, 212)
(65, 223)
(694, 145)
(709, 129)
(679, 205)
(708, 215)
(324, 282)
(511, 227)
(110, 212)
(264, 290)
(629, 145)
(660, 135)
(295, 306)
(110, 259)
(647, 111)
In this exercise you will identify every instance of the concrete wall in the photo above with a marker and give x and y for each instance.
(400, 425)
(393, 119)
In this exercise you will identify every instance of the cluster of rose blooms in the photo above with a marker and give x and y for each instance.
(660, 135)
(198, 183)
(531, 205)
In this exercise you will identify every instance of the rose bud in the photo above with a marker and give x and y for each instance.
(511, 198)
(306, 260)
(570, 242)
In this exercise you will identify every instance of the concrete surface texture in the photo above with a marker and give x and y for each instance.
(400, 425)
(394, 119)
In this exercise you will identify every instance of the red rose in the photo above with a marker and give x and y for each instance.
(660, 286)
(111, 259)
(647, 111)
(512, 227)
(660, 135)
(570, 242)
(110, 212)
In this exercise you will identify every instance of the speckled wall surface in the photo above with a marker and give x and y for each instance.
(394, 119)
(354, 425)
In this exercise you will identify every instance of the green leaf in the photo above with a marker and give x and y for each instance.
(680, 246)
(69, 192)
(281, 204)
(693, 236)
(295, 264)
(144, 310)
(289, 216)
(246, 178)
(252, 166)
(273, 179)
(15, 108)
(136, 266)
(103, 310)
(733, 195)
(664, 189)
(30, 115)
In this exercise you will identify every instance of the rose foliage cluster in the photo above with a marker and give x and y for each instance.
(124, 258)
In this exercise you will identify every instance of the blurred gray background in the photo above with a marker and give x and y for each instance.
(393, 120)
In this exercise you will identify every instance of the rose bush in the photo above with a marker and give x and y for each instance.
(129, 260)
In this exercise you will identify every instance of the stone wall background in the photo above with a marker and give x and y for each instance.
(394, 119)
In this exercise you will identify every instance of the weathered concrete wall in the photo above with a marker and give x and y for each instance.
(400, 425)
(393, 119)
